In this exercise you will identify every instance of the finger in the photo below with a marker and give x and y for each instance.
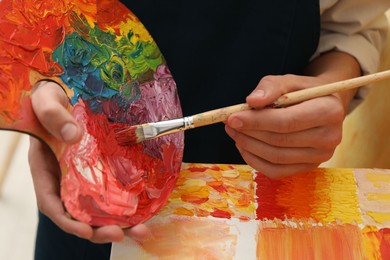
(272, 87)
(275, 170)
(50, 104)
(326, 137)
(309, 114)
(139, 232)
(45, 174)
(107, 234)
(280, 155)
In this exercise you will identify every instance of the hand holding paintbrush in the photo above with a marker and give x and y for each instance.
(140, 133)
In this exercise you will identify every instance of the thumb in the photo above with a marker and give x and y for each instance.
(272, 87)
(50, 104)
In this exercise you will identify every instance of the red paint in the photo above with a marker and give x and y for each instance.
(266, 193)
(385, 243)
(193, 199)
(218, 186)
(244, 218)
(142, 182)
(289, 197)
(109, 15)
(217, 213)
(203, 169)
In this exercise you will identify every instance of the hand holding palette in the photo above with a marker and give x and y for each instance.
(114, 75)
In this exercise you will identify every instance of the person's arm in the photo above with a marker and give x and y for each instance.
(357, 27)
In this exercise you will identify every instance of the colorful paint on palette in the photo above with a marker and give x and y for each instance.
(114, 75)
(322, 214)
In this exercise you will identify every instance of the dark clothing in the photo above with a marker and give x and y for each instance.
(217, 52)
(54, 244)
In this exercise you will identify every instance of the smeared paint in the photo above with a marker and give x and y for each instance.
(374, 196)
(313, 195)
(221, 191)
(183, 238)
(308, 241)
(319, 215)
(115, 75)
(377, 243)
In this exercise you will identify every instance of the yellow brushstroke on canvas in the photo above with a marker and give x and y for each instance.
(379, 217)
(378, 179)
(342, 195)
(379, 197)
(374, 196)
(371, 243)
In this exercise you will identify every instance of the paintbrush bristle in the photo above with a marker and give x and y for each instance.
(130, 135)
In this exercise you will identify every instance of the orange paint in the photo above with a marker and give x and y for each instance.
(221, 191)
(185, 238)
(377, 243)
(316, 195)
(278, 241)
(290, 197)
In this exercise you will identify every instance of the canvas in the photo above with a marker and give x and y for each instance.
(234, 212)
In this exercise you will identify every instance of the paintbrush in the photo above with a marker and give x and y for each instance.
(139, 133)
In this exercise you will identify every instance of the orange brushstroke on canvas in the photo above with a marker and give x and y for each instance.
(279, 241)
(222, 191)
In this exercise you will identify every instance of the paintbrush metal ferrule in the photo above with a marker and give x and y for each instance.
(157, 129)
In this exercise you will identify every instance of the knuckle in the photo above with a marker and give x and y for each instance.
(280, 140)
(269, 79)
(276, 157)
(287, 125)
(333, 137)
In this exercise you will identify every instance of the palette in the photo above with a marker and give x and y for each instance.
(234, 212)
(114, 75)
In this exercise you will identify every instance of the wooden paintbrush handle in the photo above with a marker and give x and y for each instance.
(324, 90)
(221, 114)
(217, 115)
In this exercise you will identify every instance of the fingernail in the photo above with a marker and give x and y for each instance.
(258, 93)
(236, 123)
(69, 132)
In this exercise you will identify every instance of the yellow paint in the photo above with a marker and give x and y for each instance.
(138, 29)
(378, 179)
(337, 197)
(183, 212)
(379, 217)
(379, 197)
(228, 188)
(230, 174)
(371, 243)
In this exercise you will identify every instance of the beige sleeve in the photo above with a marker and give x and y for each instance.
(357, 27)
